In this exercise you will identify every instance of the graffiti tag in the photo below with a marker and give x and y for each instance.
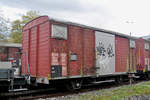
(102, 51)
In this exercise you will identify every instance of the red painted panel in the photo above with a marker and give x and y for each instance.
(13, 53)
(132, 60)
(8, 52)
(35, 41)
(88, 52)
(122, 54)
(43, 51)
(24, 49)
(59, 54)
(76, 46)
(35, 22)
(146, 54)
(147, 58)
(3, 57)
(32, 56)
(140, 54)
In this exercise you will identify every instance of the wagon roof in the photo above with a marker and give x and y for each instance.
(94, 28)
(86, 26)
(4, 44)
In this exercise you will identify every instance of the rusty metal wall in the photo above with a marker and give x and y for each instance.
(81, 52)
(147, 56)
(147, 60)
(25, 39)
(43, 59)
(132, 56)
(122, 54)
(32, 53)
(5, 54)
(132, 59)
(59, 54)
(75, 47)
(88, 52)
(140, 61)
(35, 44)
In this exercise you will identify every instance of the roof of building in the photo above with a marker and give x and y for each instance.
(7, 44)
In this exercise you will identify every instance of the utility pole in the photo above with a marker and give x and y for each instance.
(130, 66)
(130, 63)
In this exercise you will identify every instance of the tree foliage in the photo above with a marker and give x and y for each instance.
(16, 31)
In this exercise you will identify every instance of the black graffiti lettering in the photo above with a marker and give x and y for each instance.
(110, 51)
(103, 52)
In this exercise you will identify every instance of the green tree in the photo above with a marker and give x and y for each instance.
(16, 31)
(29, 16)
(16, 34)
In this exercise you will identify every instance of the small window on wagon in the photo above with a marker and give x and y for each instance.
(146, 45)
(132, 44)
(59, 31)
(73, 57)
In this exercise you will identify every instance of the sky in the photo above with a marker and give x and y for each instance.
(122, 16)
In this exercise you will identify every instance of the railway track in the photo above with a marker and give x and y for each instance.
(53, 92)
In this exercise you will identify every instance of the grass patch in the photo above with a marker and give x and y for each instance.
(119, 93)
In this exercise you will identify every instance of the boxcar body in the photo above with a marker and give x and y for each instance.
(122, 54)
(9, 70)
(132, 56)
(143, 55)
(8, 50)
(54, 49)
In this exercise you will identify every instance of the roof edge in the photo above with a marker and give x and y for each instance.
(34, 19)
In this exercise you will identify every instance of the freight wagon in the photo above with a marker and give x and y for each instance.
(143, 56)
(9, 63)
(55, 51)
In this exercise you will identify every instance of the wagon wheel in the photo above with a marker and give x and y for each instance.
(148, 76)
(119, 80)
(74, 85)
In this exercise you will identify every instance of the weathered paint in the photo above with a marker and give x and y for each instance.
(143, 55)
(132, 56)
(88, 52)
(77, 52)
(12, 53)
(75, 47)
(122, 54)
(54, 59)
(132, 60)
(140, 63)
(5, 54)
(59, 47)
(36, 34)
(63, 57)
(105, 53)
(147, 60)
